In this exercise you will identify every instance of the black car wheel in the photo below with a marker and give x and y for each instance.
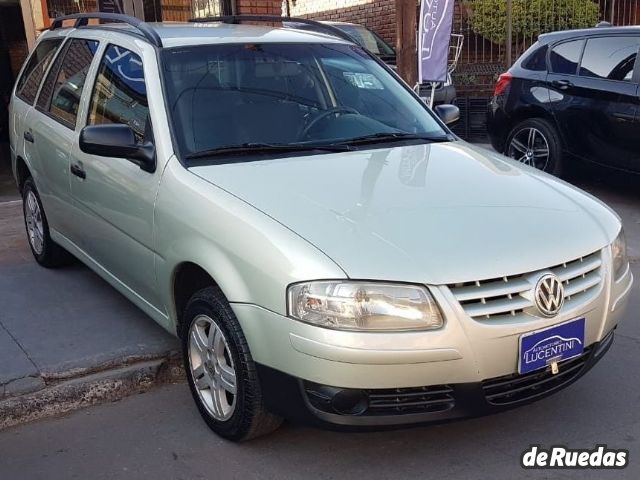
(221, 372)
(535, 143)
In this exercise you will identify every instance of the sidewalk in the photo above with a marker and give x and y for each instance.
(67, 338)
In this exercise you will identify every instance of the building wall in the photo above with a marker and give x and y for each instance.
(259, 7)
(378, 15)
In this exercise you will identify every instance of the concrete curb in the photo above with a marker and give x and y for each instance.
(87, 390)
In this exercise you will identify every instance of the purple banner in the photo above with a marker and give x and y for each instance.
(436, 20)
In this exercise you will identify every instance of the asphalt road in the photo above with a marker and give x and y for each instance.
(159, 434)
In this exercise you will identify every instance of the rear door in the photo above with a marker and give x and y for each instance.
(26, 91)
(596, 103)
(50, 130)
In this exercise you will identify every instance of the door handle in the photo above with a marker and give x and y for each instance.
(28, 136)
(562, 84)
(78, 171)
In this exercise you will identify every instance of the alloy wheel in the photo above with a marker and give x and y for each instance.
(212, 368)
(530, 147)
(33, 218)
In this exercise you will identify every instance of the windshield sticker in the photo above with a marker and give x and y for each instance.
(366, 81)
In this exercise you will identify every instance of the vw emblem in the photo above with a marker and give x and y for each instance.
(549, 295)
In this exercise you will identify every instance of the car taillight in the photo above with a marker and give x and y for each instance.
(504, 81)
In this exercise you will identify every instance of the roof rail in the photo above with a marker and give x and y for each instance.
(233, 19)
(82, 20)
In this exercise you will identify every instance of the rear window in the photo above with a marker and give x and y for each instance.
(610, 58)
(62, 90)
(537, 61)
(39, 61)
(566, 56)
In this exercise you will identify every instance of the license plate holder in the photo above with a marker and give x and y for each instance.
(544, 347)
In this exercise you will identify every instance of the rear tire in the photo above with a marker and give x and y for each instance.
(46, 252)
(535, 142)
(221, 372)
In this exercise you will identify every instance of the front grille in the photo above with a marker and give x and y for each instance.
(398, 401)
(513, 389)
(511, 298)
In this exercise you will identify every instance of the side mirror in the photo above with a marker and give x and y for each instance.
(449, 114)
(117, 140)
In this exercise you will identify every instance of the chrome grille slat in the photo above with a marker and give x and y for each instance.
(510, 298)
(581, 285)
(492, 289)
(497, 306)
(576, 269)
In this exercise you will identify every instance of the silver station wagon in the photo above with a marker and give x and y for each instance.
(324, 247)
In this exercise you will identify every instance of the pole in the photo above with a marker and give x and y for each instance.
(613, 11)
(406, 40)
(509, 25)
(433, 94)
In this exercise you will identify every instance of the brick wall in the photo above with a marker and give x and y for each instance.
(259, 7)
(378, 15)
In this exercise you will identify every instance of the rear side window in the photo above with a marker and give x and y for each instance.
(120, 94)
(537, 61)
(566, 56)
(62, 90)
(36, 67)
(610, 58)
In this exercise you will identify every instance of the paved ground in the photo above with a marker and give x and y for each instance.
(160, 435)
(100, 328)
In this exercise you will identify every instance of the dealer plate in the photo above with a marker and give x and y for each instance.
(554, 344)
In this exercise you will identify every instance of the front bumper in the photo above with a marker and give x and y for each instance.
(310, 403)
(464, 356)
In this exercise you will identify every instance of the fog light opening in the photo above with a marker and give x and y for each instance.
(350, 402)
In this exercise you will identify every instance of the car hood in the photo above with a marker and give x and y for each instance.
(437, 213)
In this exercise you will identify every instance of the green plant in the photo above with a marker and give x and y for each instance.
(530, 18)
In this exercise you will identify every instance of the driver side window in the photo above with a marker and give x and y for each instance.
(120, 94)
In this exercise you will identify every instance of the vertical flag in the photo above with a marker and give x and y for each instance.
(434, 35)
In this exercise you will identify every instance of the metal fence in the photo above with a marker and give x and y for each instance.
(495, 34)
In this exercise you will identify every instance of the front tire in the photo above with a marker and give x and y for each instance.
(46, 252)
(221, 372)
(535, 142)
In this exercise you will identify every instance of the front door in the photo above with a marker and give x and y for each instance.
(115, 197)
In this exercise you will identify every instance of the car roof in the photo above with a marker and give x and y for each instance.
(584, 32)
(177, 34)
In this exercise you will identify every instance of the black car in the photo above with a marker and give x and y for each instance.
(572, 95)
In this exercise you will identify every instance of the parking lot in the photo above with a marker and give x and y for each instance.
(160, 434)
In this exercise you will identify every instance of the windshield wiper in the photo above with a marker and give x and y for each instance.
(392, 137)
(267, 148)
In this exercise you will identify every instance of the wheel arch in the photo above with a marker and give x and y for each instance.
(191, 274)
(188, 278)
(531, 112)
(22, 172)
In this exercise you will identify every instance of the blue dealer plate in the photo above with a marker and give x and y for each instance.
(560, 342)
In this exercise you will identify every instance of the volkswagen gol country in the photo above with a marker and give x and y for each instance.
(322, 244)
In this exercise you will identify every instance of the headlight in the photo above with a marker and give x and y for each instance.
(619, 254)
(368, 306)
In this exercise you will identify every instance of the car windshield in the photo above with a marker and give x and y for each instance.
(245, 95)
(368, 39)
